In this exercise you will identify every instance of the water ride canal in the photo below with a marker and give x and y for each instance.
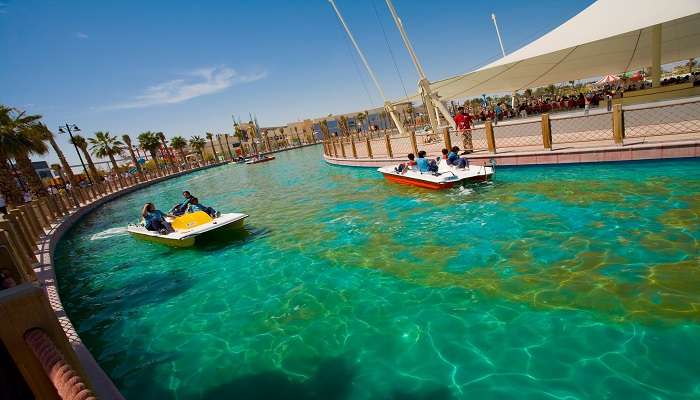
(576, 282)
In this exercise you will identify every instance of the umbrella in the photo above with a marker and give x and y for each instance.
(607, 79)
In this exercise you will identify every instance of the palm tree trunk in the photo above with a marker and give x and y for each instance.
(136, 162)
(184, 159)
(25, 166)
(216, 158)
(154, 157)
(7, 182)
(91, 166)
(115, 168)
(64, 163)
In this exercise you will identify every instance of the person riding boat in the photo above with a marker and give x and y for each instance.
(404, 167)
(154, 219)
(442, 161)
(194, 206)
(181, 208)
(455, 160)
(422, 163)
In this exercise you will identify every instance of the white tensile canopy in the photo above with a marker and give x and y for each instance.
(607, 37)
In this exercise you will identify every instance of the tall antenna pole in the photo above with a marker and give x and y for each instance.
(387, 105)
(431, 102)
(498, 33)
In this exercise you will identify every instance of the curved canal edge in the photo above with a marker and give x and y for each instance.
(633, 152)
(46, 275)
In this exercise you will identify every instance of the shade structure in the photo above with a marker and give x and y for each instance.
(607, 79)
(609, 36)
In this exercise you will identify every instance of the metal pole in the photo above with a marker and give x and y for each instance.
(70, 133)
(498, 33)
(387, 105)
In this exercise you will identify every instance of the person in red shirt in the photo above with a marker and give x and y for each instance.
(464, 124)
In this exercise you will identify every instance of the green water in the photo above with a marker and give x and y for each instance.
(567, 282)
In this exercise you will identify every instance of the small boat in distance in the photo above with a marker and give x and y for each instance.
(188, 227)
(260, 159)
(443, 179)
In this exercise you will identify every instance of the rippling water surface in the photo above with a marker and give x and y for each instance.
(566, 282)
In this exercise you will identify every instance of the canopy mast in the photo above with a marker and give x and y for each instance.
(387, 105)
(430, 100)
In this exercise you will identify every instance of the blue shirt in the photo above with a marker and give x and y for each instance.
(422, 164)
(155, 215)
(452, 157)
(196, 207)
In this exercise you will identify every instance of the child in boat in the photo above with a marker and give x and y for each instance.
(154, 219)
(404, 167)
(455, 160)
(194, 206)
(442, 161)
(422, 163)
(179, 209)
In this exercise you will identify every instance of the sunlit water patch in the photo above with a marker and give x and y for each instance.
(551, 282)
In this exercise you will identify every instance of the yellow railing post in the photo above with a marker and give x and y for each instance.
(19, 243)
(369, 147)
(40, 216)
(490, 138)
(414, 143)
(387, 142)
(335, 149)
(342, 148)
(546, 132)
(618, 123)
(15, 216)
(446, 139)
(12, 255)
(352, 146)
(30, 220)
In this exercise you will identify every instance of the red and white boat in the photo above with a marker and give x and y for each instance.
(446, 177)
(258, 160)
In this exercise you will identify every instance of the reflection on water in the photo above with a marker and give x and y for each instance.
(566, 282)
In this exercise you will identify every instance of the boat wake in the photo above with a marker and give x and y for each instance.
(109, 233)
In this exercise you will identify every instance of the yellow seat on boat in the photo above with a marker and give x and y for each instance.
(190, 220)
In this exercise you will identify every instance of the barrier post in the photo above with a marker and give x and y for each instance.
(11, 255)
(342, 148)
(490, 138)
(618, 122)
(387, 142)
(40, 217)
(369, 147)
(15, 216)
(31, 222)
(352, 146)
(414, 143)
(546, 132)
(335, 150)
(447, 140)
(26, 253)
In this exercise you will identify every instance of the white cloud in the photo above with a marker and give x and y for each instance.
(81, 35)
(199, 82)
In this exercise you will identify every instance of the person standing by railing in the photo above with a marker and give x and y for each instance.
(463, 122)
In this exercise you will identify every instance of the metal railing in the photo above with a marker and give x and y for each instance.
(678, 118)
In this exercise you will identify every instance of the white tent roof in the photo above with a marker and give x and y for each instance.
(609, 36)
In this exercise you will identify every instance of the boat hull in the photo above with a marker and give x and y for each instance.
(427, 184)
(260, 161)
(188, 238)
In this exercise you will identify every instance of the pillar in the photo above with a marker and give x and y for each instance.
(414, 143)
(387, 142)
(352, 145)
(342, 148)
(490, 138)
(369, 147)
(656, 55)
(618, 122)
(447, 140)
(546, 132)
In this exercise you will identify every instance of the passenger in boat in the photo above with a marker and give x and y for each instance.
(154, 219)
(422, 163)
(181, 208)
(194, 206)
(404, 167)
(455, 160)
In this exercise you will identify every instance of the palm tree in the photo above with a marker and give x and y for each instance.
(134, 160)
(179, 143)
(211, 141)
(21, 135)
(165, 149)
(228, 147)
(8, 184)
(48, 135)
(106, 145)
(221, 146)
(149, 142)
(197, 143)
(82, 144)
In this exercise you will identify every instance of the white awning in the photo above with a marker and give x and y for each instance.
(610, 36)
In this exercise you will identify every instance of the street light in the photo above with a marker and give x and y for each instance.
(70, 133)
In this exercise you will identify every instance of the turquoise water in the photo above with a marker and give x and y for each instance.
(566, 282)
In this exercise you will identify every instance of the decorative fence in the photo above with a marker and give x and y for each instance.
(30, 330)
(680, 119)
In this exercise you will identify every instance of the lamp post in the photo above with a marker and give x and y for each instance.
(70, 133)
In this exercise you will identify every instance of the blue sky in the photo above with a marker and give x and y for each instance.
(184, 67)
